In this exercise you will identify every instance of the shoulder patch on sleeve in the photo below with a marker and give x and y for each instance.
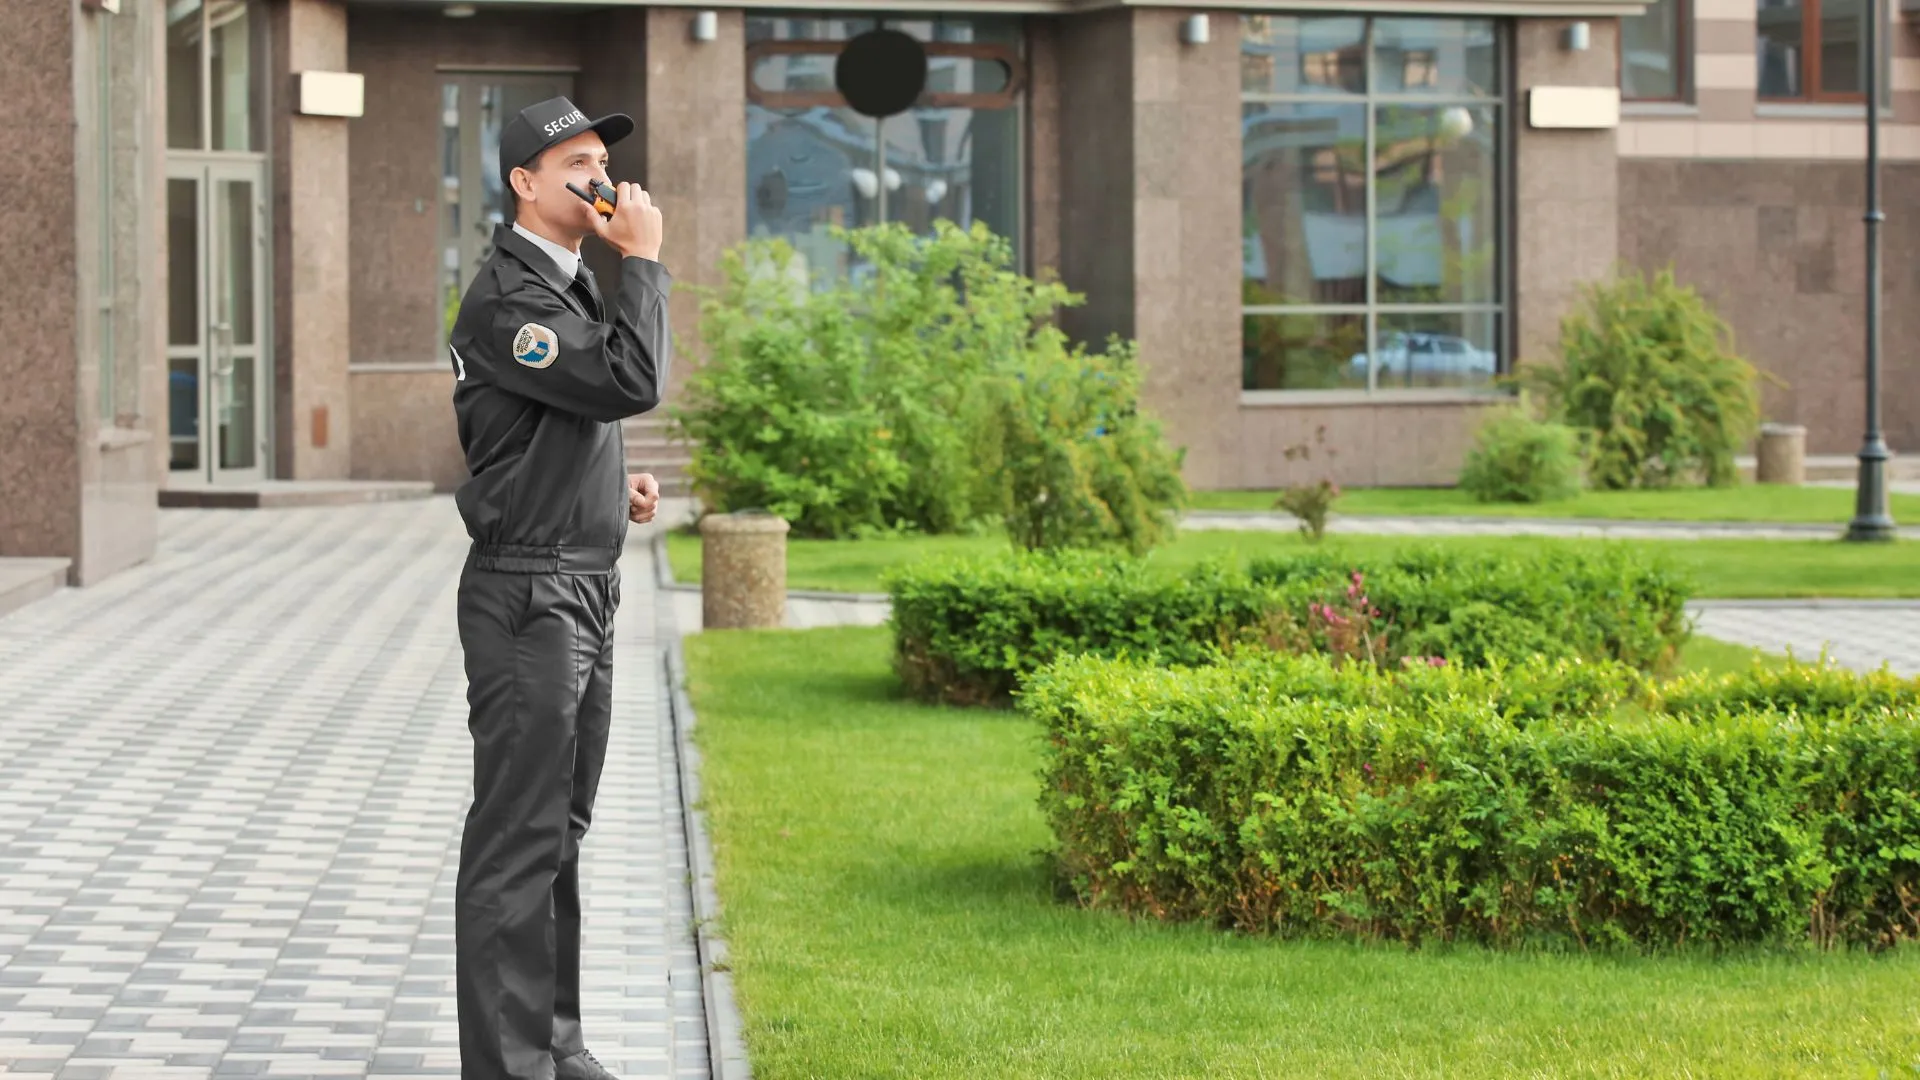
(536, 346)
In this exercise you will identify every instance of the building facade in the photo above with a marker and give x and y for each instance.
(244, 225)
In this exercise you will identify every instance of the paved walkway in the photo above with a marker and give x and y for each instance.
(232, 784)
(1859, 634)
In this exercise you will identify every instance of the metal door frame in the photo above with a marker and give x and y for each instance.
(208, 171)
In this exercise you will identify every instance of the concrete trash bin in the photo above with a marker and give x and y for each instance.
(1783, 455)
(743, 571)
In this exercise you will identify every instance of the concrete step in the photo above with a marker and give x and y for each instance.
(287, 494)
(22, 581)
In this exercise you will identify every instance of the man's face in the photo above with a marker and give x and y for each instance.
(543, 190)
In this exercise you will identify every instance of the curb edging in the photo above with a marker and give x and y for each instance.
(726, 1042)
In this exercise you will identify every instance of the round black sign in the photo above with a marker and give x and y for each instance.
(881, 73)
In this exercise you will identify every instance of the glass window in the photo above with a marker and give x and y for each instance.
(819, 165)
(1370, 194)
(1653, 52)
(213, 100)
(186, 25)
(1815, 50)
(230, 74)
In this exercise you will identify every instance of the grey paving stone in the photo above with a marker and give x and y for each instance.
(232, 783)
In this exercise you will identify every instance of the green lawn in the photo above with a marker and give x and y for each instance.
(888, 917)
(1722, 568)
(1748, 502)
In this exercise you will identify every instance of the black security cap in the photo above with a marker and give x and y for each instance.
(550, 122)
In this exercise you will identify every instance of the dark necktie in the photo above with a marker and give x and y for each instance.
(583, 291)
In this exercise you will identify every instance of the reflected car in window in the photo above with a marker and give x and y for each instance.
(1412, 357)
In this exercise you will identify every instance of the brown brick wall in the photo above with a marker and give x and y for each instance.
(1779, 249)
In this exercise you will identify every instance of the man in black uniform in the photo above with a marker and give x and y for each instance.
(545, 369)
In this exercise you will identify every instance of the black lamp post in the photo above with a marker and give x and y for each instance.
(1872, 520)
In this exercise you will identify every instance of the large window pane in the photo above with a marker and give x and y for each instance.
(1780, 47)
(1281, 54)
(1434, 201)
(1304, 352)
(1455, 350)
(1455, 57)
(811, 169)
(184, 26)
(1304, 203)
(1843, 47)
(1650, 52)
(230, 78)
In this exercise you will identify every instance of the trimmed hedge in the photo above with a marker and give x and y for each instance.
(1551, 800)
(966, 632)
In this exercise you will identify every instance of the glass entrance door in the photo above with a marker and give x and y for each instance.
(217, 354)
(475, 108)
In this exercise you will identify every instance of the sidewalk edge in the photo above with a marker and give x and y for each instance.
(726, 1042)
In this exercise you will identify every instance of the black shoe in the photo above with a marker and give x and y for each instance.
(581, 1066)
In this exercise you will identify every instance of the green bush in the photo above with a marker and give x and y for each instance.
(1474, 607)
(1648, 371)
(785, 417)
(1517, 459)
(965, 631)
(968, 631)
(934, 395)
(1082, 467)
(1283, 794)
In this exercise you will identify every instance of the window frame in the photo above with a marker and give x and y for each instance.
(1372, 309)
(1811, 50)
(1683, 60)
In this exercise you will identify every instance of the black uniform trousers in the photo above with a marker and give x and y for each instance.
(539, 660)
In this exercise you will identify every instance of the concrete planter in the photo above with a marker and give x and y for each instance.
(1782, 458)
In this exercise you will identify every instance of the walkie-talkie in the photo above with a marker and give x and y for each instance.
(602, 198)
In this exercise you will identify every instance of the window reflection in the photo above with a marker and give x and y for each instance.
(1363, 210)
(1650, 54)
(811, 169)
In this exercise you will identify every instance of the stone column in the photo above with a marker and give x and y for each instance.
(313, 428)
(1150, 211)
(694, 127)
(1566, 209)
(39, 410)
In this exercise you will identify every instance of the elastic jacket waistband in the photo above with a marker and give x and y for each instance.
(536, 559)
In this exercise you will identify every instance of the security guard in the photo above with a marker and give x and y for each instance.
(545, 369)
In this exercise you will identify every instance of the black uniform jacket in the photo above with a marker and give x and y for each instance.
(544, 373)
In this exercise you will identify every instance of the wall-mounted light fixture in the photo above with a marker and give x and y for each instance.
(459, 11)
(1579, 37)
(706, 26)
(1194, 30)
(111, 7)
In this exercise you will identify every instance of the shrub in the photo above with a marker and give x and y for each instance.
(1082, 467)
(1648, 371)
(784, 416)
(907, 400)
(1474, 607)
(1311, 502)
(965, 631)
(968, 631)
(1282, 794)
(1518, 459)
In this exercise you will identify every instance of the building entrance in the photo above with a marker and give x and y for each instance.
(219, 352)
(216, 332)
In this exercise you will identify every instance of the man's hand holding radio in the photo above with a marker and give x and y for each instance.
(635, 229)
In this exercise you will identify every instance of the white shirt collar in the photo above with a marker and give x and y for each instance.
(567, 261)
